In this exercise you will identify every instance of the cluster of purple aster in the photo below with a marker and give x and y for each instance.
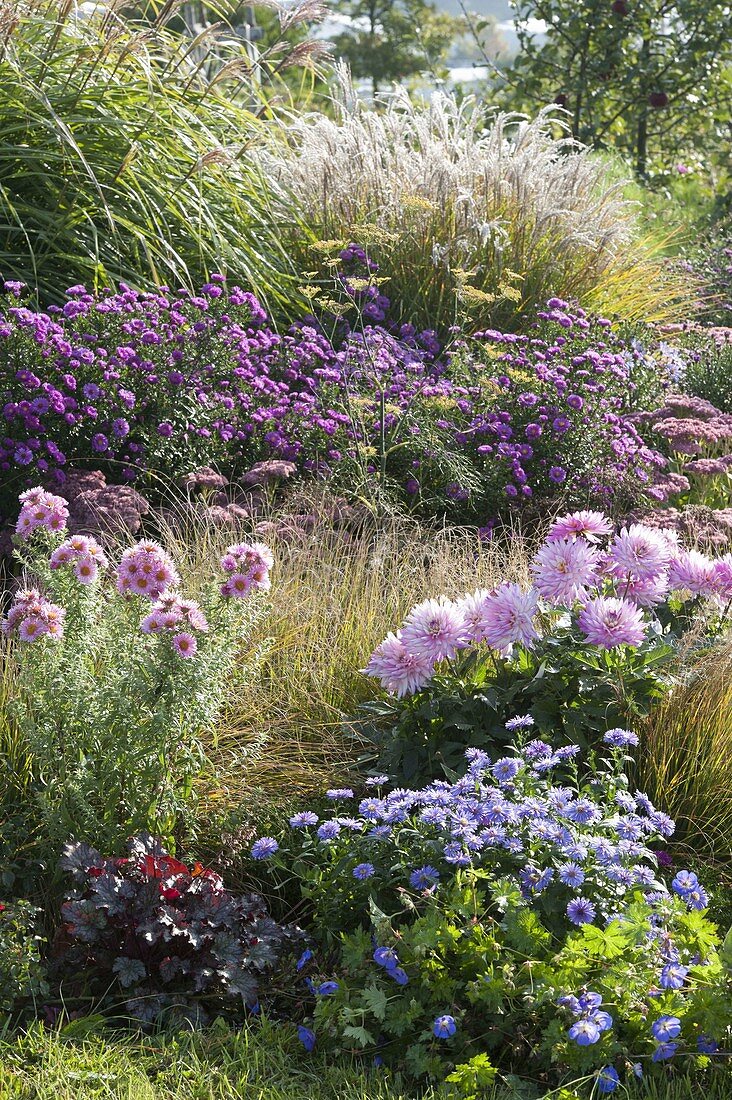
(581, 849)
(174, 381)
(182, 619)
(40, 510)
(610, 583)
(33, 617)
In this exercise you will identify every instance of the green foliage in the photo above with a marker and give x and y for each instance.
(634, 75)
(391, 40)
(121, 159)
(21, 973)
(570, 689)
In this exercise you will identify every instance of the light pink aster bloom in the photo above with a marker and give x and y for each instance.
(508, 617)
(434, 629)
(471, 608)
(608, 621)
(640, 551)
(86, 568)
(151, 624)
(564, 569)
(31, 629)
(399, 671)
(185, 645)
(692, 572)
(591, 525)
(40, 509)
(722, 577)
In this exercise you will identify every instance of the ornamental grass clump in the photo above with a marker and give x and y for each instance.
(124, 151)
(513, 920)
(119, 674)
(591, 641)
(469, 211)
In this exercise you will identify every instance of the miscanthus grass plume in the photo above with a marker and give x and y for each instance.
(468, 209)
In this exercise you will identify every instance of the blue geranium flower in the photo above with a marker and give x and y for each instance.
(306, 1037)
(444, 1027)
(607, 1079)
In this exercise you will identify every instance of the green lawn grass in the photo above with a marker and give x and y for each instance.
(86, 1062)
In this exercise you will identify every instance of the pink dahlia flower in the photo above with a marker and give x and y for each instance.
(399, 671)
(608, 621)
(434, 629)
(647, 593)
(692, 572)
(564, 569)
(640, 552)
(722, 577)
(471, 607)
(508, 617)
(591, 525)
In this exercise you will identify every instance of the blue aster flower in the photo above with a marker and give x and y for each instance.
(265, 847)
(303, 819)
(581, 911)
(363, 871)
(571, 874)
(422, 878)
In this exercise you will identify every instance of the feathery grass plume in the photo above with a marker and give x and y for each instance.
(124, 153)
(478, 213)
(685, 762)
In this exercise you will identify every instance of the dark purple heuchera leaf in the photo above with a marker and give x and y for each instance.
(85, 919)
(155, 924)
(78, 858)
(129, 971)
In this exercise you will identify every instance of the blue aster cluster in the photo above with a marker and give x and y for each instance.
(577, 846)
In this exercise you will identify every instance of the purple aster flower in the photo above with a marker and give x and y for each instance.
(265, 847)
(422, 878)
(506, 769)
(377, 780)
(303, 819)
(620, 738)
(581, 911)
(557, 474)
(339, 794)
(363, 871)
(444, 1027)
(571, 874)
(522, 722)
(329, 830)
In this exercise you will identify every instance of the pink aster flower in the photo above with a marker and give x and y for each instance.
(692, 572)
(247, 566)
(508, 617)
(640, 552)
(564, 569)
(86, 568)
(185, 645)
(434, 629)
(151, 624)
(40, 509)
(608, 621)
(591, 525)
(399, 671)
(31, 629)
(146, 570)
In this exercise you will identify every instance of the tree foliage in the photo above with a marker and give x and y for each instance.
(646, 77)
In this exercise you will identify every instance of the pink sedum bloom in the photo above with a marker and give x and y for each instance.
(564, 569)
(399, 671)
(588, 524)
(185, 645)
(609, 621)
(434, 629)
(508, 617)
(640, 552)
(690, 571)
